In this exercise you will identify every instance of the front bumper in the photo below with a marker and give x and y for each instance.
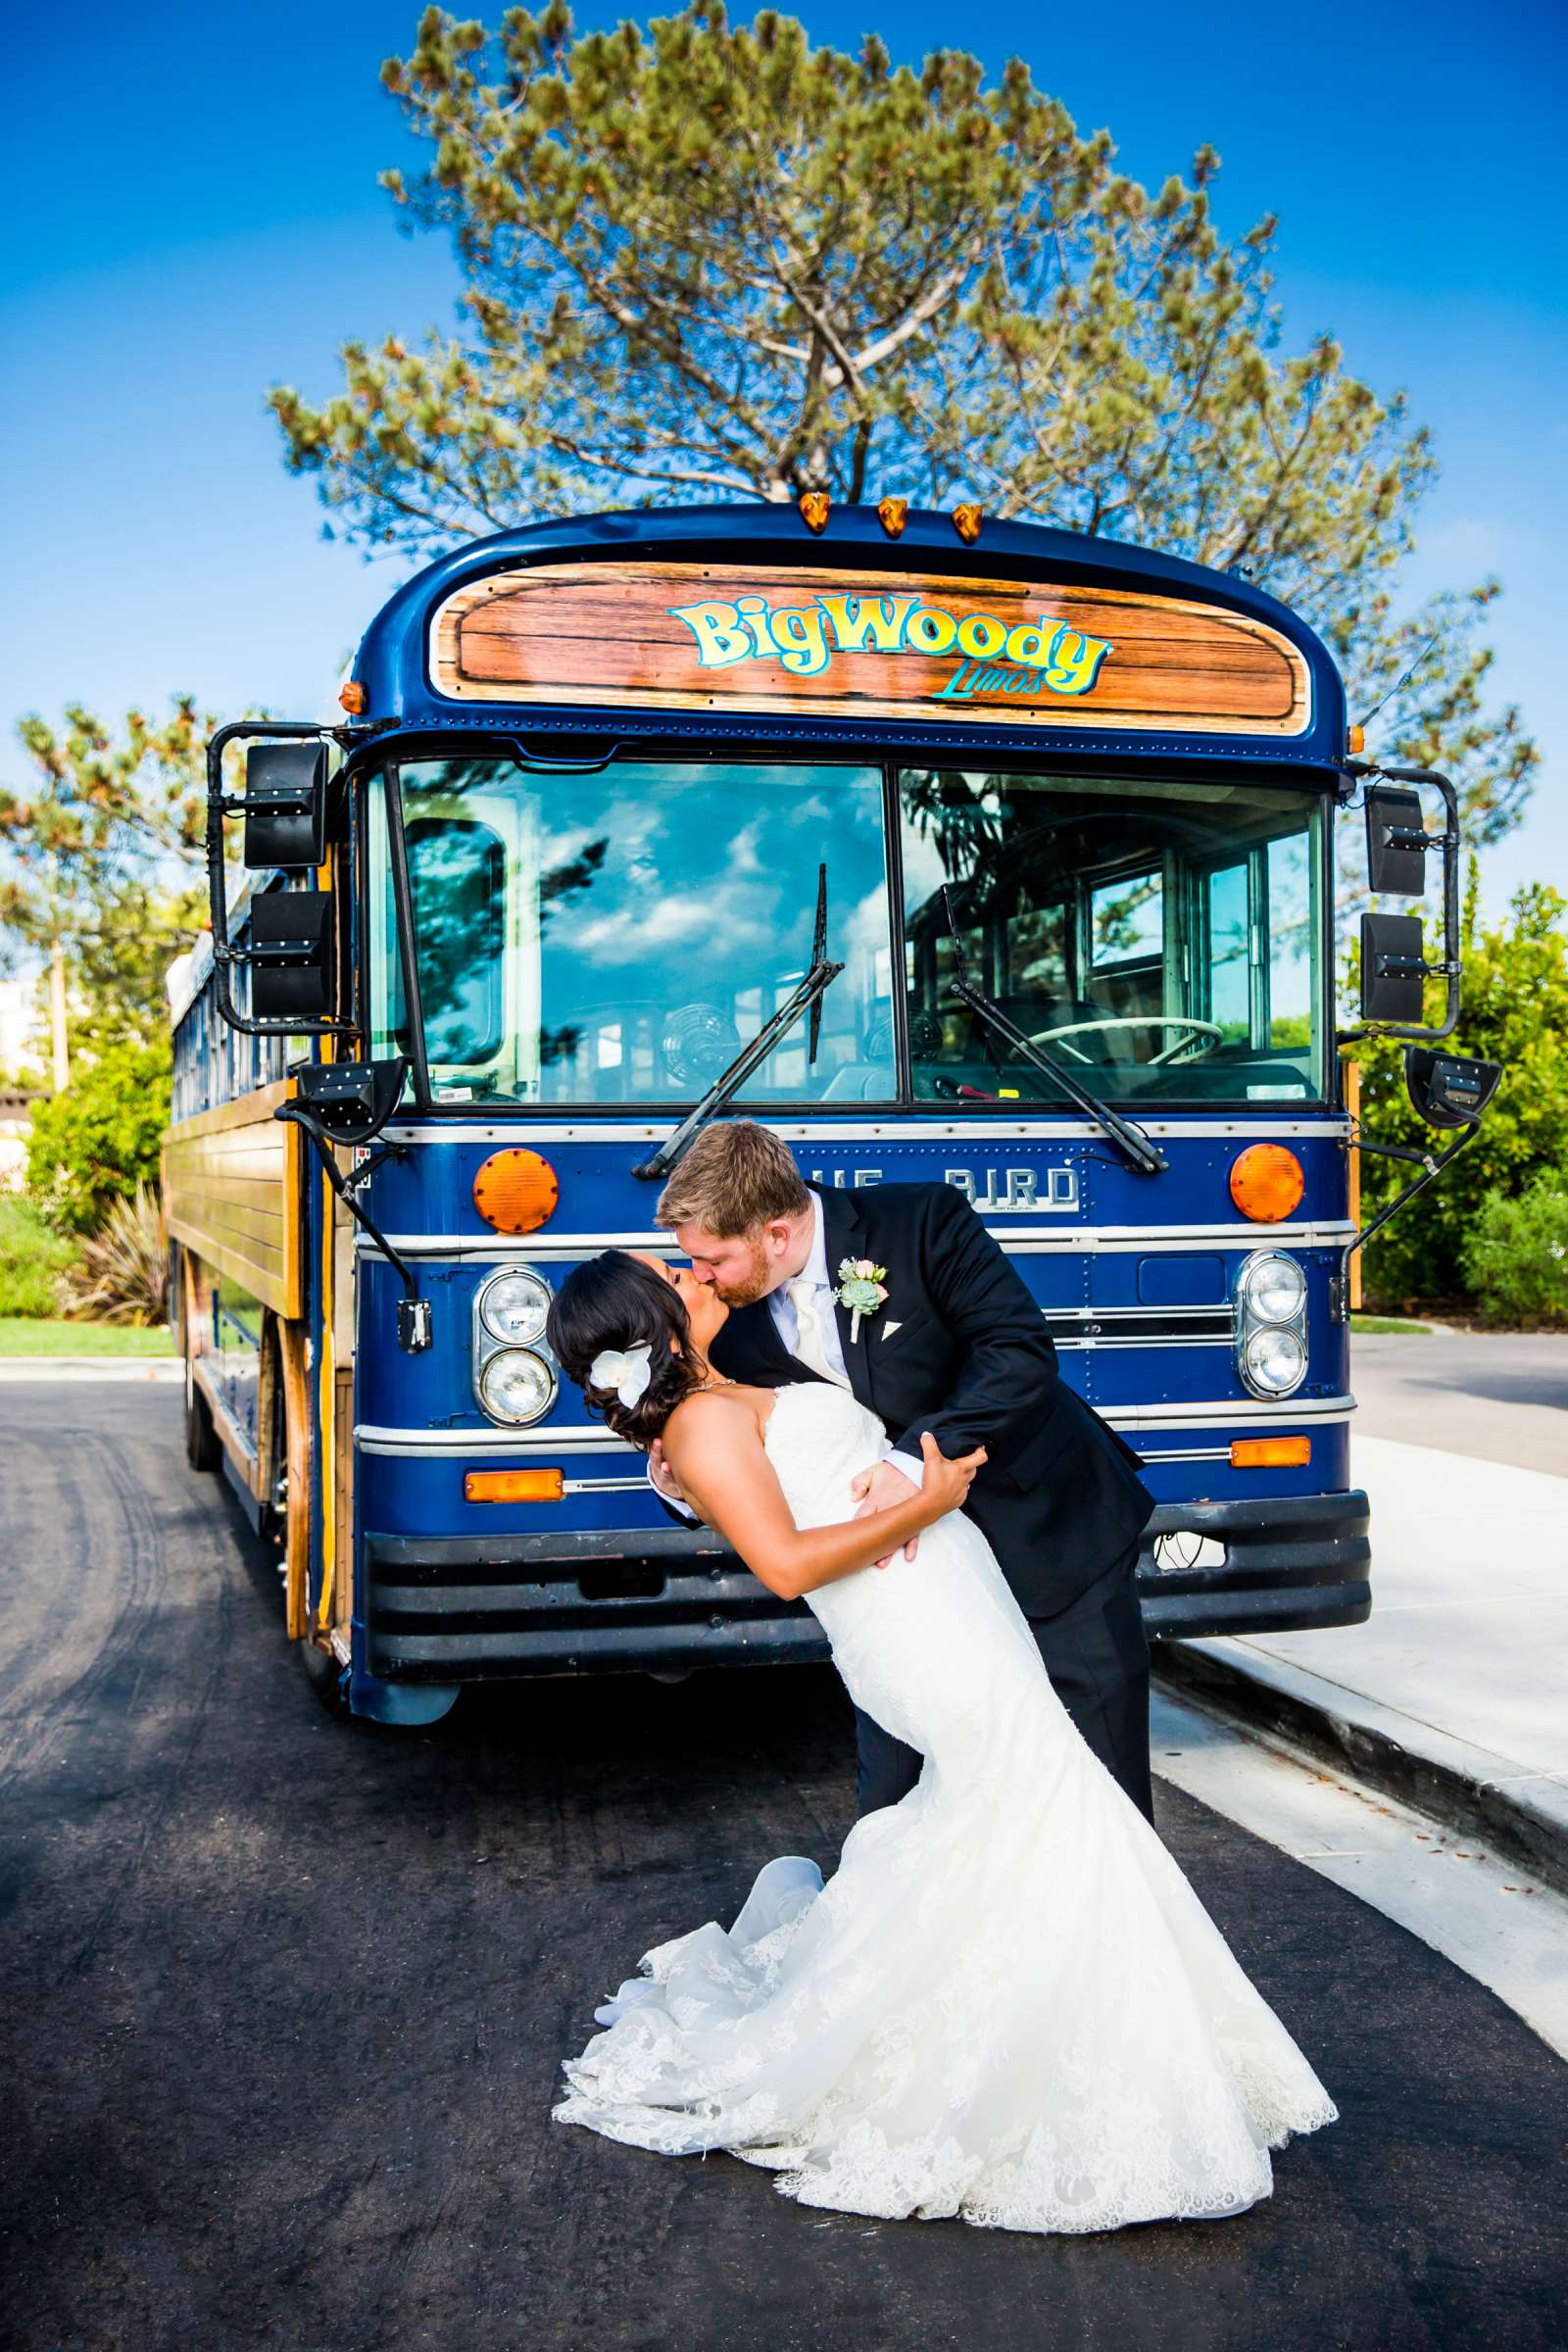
(466, 1608)
(1286, 1566)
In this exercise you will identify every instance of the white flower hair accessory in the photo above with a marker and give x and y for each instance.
(628, 1374)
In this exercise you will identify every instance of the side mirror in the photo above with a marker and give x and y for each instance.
(285, 806)
(1395, 842)
(350, 1100)
(1393, 968)
(290, 954)
(1447, 1088)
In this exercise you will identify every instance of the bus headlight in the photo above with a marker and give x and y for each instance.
(517, 1385)
(513, 1307)
(1270, 1323)
(1273, 1289)
(1273, 1360)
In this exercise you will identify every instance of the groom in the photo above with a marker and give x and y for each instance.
(956, 1347)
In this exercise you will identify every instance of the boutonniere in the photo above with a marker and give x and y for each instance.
(862, 1288)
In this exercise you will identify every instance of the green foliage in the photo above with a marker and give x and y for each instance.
(32, 1260)
(96, 1141)
(712, 260)
(101, 849)
(79, 1339)
(1516, 1257)
(1514, 1011)
(123, 1274)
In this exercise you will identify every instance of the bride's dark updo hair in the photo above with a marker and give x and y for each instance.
(616, 1301)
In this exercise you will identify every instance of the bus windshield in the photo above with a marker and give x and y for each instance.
(613, 938)
(1160, 937)
(616, 937)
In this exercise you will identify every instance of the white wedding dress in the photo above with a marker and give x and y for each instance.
(1008, 2004)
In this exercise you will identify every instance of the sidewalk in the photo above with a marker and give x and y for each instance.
(1454, 1696)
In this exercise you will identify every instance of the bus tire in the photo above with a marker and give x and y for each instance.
(326, 1677)
(202, 1449)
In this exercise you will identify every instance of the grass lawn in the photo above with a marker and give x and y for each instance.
(20, 1336)
(1373, 1324)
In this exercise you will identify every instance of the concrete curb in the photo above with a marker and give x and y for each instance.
(90, 1367)
(1523, 1816)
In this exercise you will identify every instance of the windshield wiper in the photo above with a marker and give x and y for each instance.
(811, 992)
(1130, 1138)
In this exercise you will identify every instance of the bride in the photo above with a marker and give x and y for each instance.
(1008, 2004)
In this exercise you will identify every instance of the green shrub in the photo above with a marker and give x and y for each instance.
(1516, 1255)
(93, 1144)
(123, 1275)
(32, 1260)
(1514, 1011)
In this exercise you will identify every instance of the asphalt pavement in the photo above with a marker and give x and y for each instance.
(1500, 1395)
(284, 2001)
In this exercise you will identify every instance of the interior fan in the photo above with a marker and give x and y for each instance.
(698, 1042)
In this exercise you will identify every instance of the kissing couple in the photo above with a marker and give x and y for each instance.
(1006, 2004)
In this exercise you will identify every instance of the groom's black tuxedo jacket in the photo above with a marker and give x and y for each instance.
(1059, 1498)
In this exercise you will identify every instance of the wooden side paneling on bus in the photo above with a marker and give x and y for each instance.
(232, 1195)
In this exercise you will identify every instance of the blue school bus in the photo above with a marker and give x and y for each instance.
(955, 851)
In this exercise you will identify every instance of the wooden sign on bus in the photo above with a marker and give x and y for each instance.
(829, 643)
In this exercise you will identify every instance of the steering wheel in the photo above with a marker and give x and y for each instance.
(1135, 1020)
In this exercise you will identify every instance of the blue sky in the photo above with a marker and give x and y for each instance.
(195, 215)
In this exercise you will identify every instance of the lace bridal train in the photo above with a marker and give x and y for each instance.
(1008, 2004)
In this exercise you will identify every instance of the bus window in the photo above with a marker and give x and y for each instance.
(616, 937)
(1163, 934)
(1126, 958)
(1226, 963)
(457, 875)
(1291, 964)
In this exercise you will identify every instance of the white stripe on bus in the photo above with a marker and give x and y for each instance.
(1063, 1241)
(373, 1438)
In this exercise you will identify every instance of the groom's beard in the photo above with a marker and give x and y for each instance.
(754, 1284)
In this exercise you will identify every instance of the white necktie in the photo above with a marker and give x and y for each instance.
(805, 1297)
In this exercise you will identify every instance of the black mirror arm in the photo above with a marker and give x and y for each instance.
(414, 1310)
(1448, 843)
(1431, 1169)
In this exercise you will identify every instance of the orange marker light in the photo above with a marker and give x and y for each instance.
(516, 1190)
(1266, 1183)
(1271, 1453)
(513, 1486)
(352, 698)
(1355, 739)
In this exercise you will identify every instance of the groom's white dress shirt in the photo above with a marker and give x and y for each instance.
(812, 1288)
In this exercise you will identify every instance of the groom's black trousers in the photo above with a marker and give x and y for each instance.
(1097, 1656)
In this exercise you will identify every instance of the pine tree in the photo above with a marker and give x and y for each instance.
(707, 261)
(101, 876)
